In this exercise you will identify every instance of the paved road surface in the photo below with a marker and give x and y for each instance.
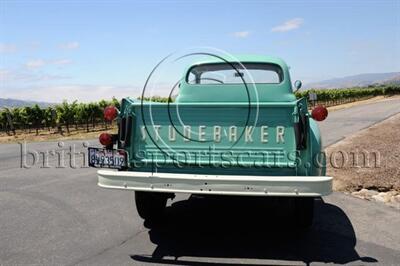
(344, 122)
(60, 216)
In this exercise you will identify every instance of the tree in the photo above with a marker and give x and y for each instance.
(35, 115)
(50, 117)
(66, 113)
(4, 121)
(102, 105)
(95, 112)
(84, 114)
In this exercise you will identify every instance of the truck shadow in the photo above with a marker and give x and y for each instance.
(237, 231)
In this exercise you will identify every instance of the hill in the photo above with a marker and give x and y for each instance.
(361, 80)
(11, 103)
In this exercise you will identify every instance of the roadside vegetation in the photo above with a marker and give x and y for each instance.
(61, 121)
(77, 119)
(333, 97)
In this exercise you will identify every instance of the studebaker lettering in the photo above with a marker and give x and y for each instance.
(217, 133)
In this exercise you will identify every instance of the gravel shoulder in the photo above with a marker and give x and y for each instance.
(366, 164)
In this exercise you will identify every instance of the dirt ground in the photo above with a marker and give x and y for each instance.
(369, 159)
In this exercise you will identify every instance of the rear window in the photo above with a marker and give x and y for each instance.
(235, 74)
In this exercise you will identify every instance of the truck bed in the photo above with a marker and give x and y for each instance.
(222, 136)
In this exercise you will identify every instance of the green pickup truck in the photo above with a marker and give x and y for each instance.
(235, 128)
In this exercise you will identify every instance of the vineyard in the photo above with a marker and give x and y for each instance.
(59, 119)
(87, 116)
(332, 97)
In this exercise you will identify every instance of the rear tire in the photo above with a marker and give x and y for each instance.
(150, 205)
(304, 212)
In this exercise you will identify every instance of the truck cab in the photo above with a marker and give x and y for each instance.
(235, 128)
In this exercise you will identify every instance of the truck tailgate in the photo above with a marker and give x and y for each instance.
(221, 135)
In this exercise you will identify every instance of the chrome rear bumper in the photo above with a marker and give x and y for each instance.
(306, 186)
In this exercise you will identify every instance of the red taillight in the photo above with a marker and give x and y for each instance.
(105, 139)
(319, 113)
(110, 113)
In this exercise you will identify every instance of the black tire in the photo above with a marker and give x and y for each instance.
(150, 205)
(304, 212)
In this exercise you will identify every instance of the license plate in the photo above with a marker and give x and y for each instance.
(105, 158)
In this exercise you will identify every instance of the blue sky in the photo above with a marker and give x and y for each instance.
(88, 50)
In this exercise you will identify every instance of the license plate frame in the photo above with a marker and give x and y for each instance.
(107, 158)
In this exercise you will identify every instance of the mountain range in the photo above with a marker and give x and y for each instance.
(361, 80)
(12, 103)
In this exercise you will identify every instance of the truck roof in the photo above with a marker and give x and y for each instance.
(249, 58)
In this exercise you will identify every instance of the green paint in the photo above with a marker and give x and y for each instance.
(234, 129)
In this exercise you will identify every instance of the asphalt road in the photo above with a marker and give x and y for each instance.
(59, 216)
